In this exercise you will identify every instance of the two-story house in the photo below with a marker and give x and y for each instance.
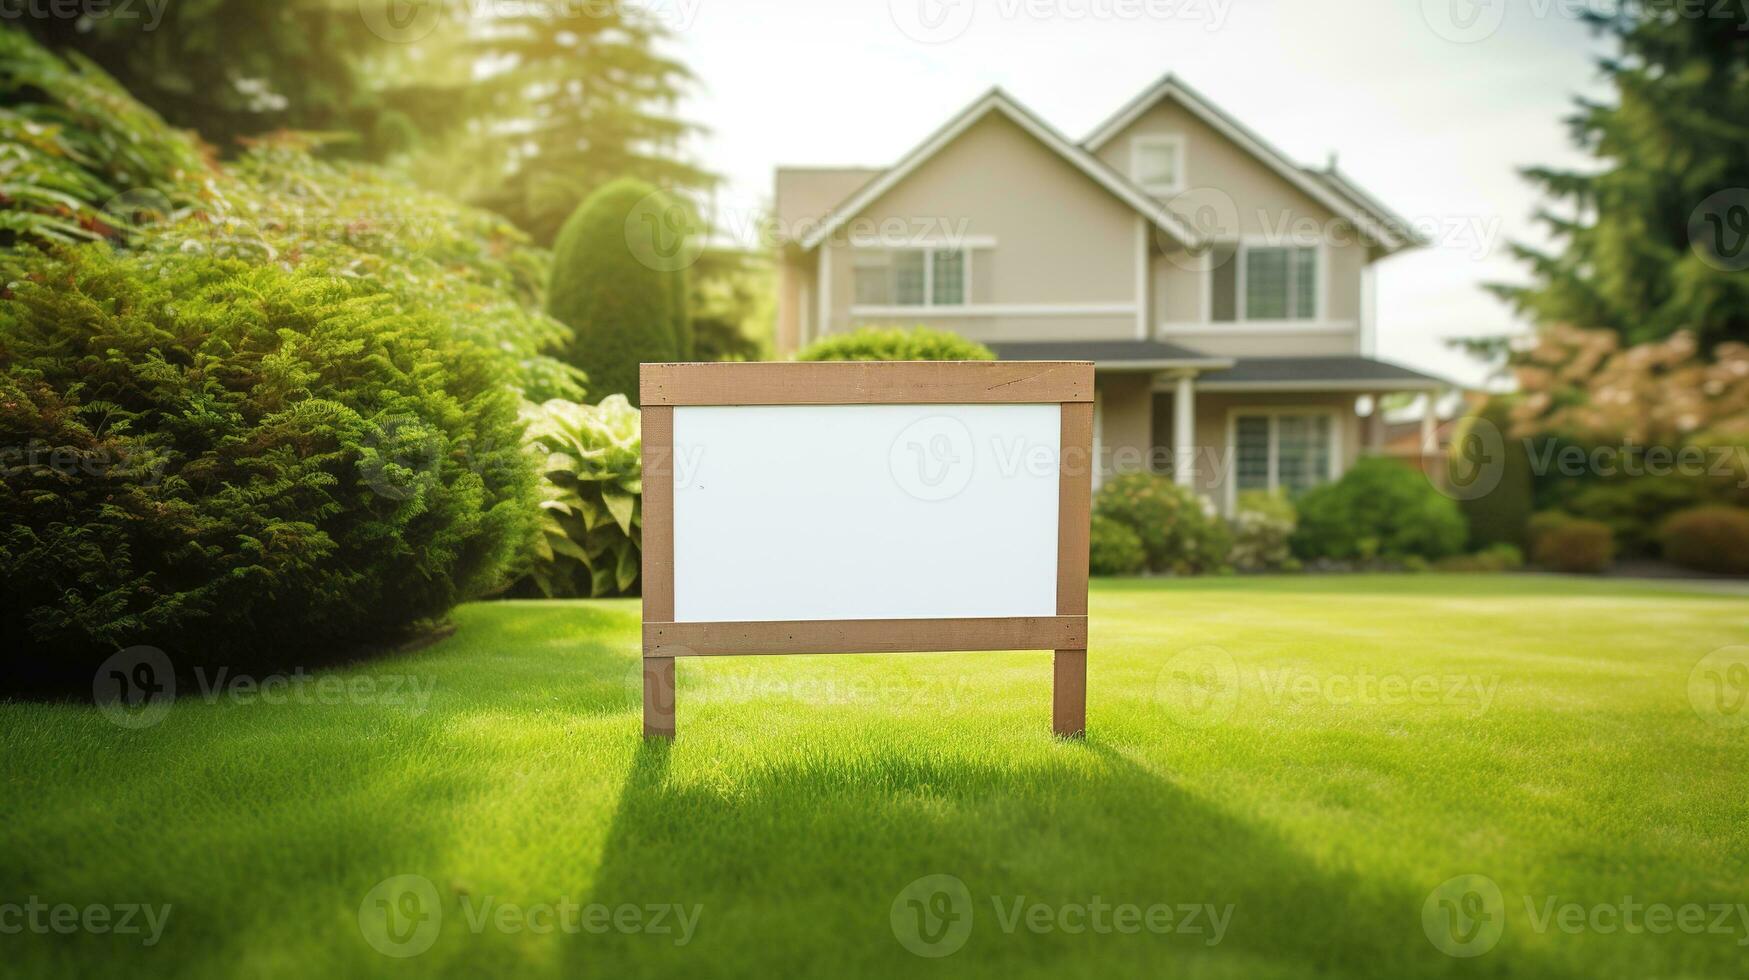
(1223, 292)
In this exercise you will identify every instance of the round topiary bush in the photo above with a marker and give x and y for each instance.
(1575, 545)
(242, 464)
(619, 281)
(1180, 531)
(895, 344)
(1711, 539)
(1114, 549)
(1379, 509)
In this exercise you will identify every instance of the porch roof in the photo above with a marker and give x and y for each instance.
(1363, 374)
(1319, 373)
(1112, 355)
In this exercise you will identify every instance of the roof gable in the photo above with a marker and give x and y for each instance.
(997, 101)
(1329, 189)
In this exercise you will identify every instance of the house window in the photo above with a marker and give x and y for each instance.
(1289, 451)
(1280, 283)
(910, 277)
(1157, 164)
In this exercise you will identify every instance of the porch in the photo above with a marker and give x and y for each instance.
(1221, 425)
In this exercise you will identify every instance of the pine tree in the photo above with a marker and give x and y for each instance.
(580, 100)
(1655, 239)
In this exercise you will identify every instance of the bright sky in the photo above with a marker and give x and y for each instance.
(1431, 105)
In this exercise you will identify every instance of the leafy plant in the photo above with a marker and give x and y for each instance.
(895, 344)
(592, 525)
(1180, 531)
(1379, 509)
(1494, 558)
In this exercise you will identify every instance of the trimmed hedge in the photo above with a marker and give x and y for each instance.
(237, 462)
(1379, 509)
(1711, 539)
(895, 344)
(623, 304)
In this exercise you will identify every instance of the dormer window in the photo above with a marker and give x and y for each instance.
(1157, 164)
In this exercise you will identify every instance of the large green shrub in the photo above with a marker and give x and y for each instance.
(1179, 531)
(1482, 449)
(1379, 509)
(895, 344)
(1263, 525)
(1114, 549)
(1712, 539)
(592, 525)
(1634, 507)
(621, 286)
(237, 462)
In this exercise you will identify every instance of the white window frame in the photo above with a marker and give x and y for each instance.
(1274, 413)
(1321, 255)
(928, 252)
(1175, 144)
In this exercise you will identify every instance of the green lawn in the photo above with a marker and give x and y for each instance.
(1308, 757)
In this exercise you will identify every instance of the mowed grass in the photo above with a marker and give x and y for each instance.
(1316, 754)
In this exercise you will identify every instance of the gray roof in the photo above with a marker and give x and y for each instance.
(1348, 371)
(1111, 353)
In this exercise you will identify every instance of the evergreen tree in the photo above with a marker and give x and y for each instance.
(576, 100)
(1656, 237)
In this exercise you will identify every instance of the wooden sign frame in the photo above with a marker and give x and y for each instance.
(663, 387)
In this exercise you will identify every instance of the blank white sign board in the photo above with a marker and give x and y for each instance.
(831, 512)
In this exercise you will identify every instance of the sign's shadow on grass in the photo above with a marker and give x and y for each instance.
(797, 866)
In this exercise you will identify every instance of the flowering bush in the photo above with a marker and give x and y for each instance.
(1180, 532)
(1263, 525)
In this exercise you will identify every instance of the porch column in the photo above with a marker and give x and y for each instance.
(1375, 425)
(1430, 425)
(1184, 430)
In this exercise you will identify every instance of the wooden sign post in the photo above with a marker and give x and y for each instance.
(866, 507)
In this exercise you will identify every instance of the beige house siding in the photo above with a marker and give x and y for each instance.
(1265, 208)
(1126, 420)
(1060, 240)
